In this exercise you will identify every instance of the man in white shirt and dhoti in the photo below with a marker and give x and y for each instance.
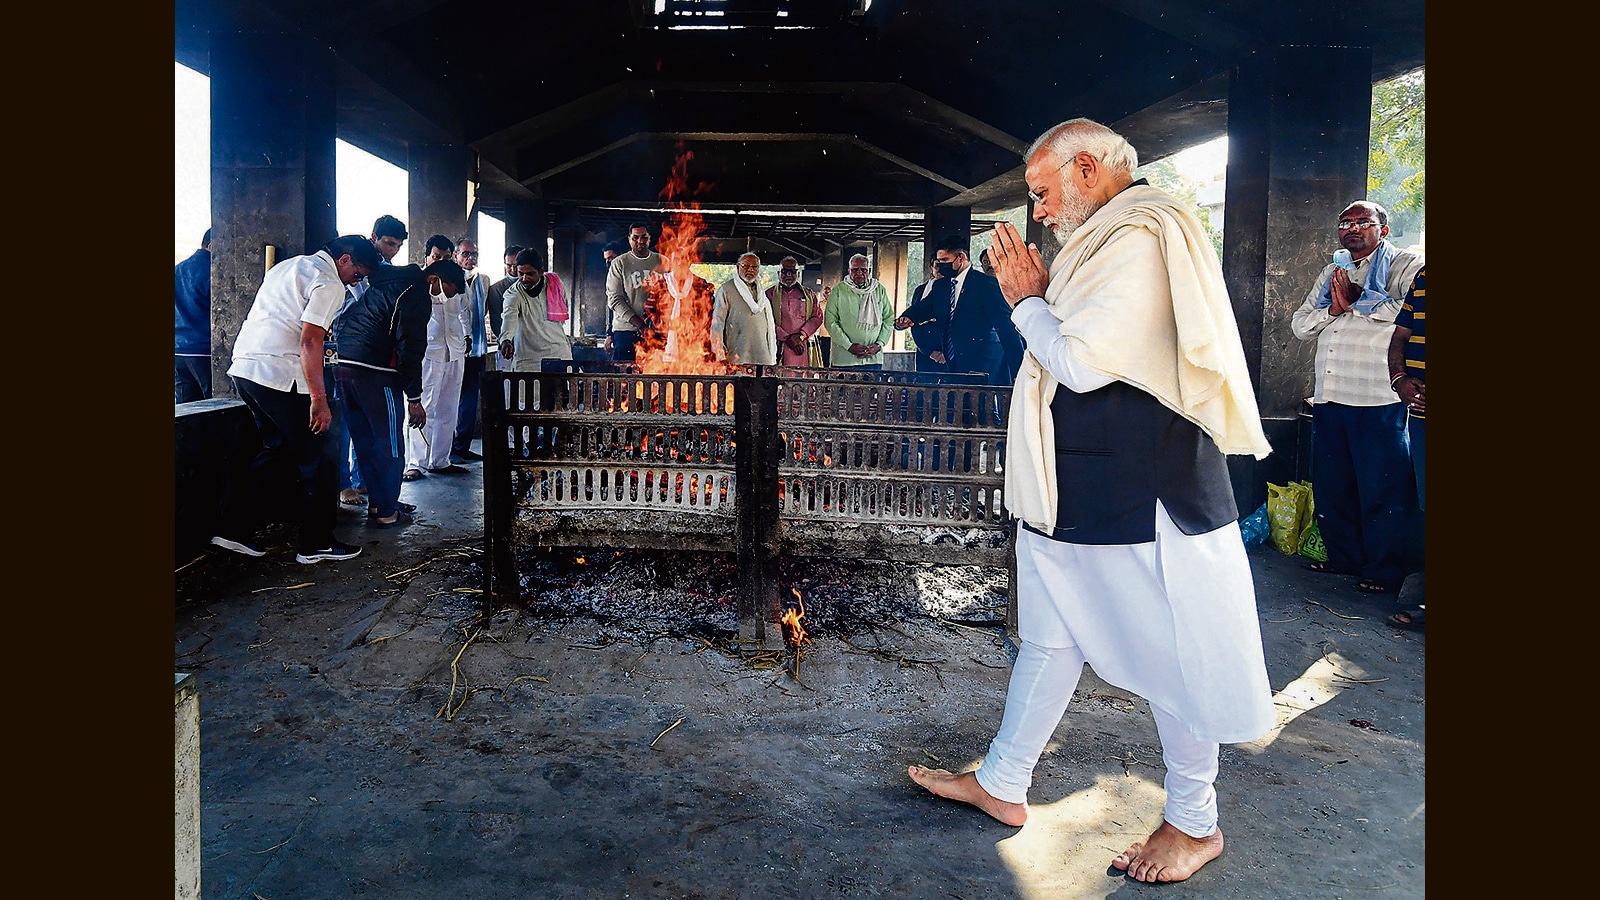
(1129, 555)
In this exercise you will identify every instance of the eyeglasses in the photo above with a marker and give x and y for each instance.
(1038, 199)
(789, 271)
(1360, 223)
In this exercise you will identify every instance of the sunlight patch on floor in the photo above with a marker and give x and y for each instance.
(1326, 679)
(1066, 846)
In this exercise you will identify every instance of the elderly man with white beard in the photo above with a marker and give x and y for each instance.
(1129, 556)
(859, 318)
(743, 330)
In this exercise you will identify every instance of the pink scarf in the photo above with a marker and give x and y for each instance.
(555, 299)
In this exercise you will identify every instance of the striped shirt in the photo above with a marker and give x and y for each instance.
(1414, 318)
(1352, 358)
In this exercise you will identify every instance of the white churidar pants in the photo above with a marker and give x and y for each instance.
(1172, 620)
(1042, 683)
(428, 447)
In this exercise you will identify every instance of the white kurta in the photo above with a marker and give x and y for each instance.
(1173, 620)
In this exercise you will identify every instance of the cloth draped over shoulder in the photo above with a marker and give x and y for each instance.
(1162, 323)
(1374, 290)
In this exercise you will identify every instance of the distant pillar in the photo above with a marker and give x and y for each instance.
(831, 270)
(564, 262)
(272, 178)
(526, 223)
(940, 222)
(1297, 155)
(1041, 237)
(436, 201)
(891, 257)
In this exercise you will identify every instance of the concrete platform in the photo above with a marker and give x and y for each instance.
(352, 745)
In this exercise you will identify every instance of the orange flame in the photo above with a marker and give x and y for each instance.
(679, 343)
(793, 632)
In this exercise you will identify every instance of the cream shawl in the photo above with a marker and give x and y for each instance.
(1164, 325)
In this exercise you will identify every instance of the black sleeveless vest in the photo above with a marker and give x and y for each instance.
(1118, 450)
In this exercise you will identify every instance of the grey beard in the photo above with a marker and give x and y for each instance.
(1075, 211)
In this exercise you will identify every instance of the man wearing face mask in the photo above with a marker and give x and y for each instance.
(979, 336)
(799, 316)
(444, 364)
(860, 320)
(382, 338)
(743, 330)
(279, 373)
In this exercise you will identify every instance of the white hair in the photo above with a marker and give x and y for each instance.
(752, 254)
(860, 256)
(1076, 136)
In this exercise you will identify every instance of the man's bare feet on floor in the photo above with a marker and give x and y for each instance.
(965, 787)
(1168, 855)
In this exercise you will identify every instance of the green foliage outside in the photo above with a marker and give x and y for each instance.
(1397, 160)
(1164, 174)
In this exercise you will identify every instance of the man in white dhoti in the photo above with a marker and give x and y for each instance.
(1129, 555)
(743, 330)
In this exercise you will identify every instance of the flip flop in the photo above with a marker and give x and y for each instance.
(1410, 620)
(401, 519)
(1368, 586)
(1324, 568)
(411, 475)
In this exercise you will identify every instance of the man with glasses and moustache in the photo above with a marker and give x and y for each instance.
(1366, 496)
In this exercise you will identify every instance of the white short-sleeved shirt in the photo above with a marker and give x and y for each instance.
(297, 290)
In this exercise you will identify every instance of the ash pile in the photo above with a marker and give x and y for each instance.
(636, 595)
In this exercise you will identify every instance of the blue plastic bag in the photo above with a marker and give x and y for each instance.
(1255, 528)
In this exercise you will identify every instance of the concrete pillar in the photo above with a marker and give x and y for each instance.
(831, 270)
(272, 172)
(186, 788)
(1042, 237)
(527, 223)
(564, 262)
(892, 271)
(436, 202)
(1297, 155)
(940, 222)
(591, 286)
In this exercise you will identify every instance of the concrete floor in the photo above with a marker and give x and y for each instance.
(351, 746)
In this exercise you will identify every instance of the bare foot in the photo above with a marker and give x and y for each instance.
(966, 788)
(1168, 855)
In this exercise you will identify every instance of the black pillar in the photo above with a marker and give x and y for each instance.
(272, 175)
(940, 222)
(436, 200)
(1297, 155)
(526, 224)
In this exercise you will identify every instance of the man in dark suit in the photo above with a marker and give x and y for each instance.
(979, 336)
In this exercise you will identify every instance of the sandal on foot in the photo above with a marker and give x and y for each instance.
(372, 511)
(401, 519)
(1323, 568)
(1368, 586)
(351, 497)
(1411, 620)
(411, 475)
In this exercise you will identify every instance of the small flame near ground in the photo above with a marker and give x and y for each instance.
(794, 633)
